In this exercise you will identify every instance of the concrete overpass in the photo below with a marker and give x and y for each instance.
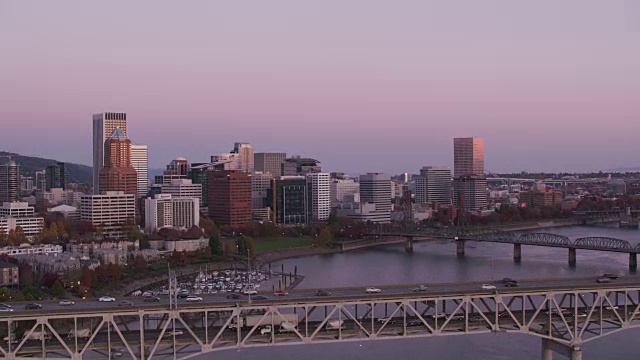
(566, 314)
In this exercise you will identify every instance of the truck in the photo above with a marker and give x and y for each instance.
(80, 333)
(257, 320)
(284, 327)
(335, 325)
(37, 335)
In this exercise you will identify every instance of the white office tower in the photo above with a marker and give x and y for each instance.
(319, 196)
(109, 212)
(245, 156)
(375, 189)
(103, 126)
(140, 162)
(434, 186)
(260, 185)
(344, 191)
(183, 188)
(164, 210)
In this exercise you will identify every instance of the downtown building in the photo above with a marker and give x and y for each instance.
(469, 182)
(319, 203)
(230, 198)
(56, 176)
(288, 199)
(434, 186)
(183, 188)
(344, 191)
(269, 163)
(260, 185)
(298, 166)
(163, 210)
(9, 182)
(110, 212)
(245, 156)
(140, 163)
(375, 200)
(20, 214)
(103, 126)
(117, 173)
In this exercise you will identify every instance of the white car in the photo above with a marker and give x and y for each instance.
(3, 309)
(488, 287)
(175, 333)
(192, 298)
(265, 330)
(372, 290)
(249, 292)
(66, 302)
(107, 299)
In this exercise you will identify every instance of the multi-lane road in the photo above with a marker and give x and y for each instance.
(339, 294)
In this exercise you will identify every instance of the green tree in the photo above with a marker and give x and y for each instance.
(241, 244)
(57, 290)
(325, 237)
(215, 246)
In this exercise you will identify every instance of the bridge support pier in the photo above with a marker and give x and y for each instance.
(549, 347)
(633, 262)
(572, 257)
(408, 245)
(517, 252)
(460, 247)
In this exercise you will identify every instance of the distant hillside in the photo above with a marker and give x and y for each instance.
(29, 165)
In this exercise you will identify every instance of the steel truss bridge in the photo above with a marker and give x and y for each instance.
(565, 320)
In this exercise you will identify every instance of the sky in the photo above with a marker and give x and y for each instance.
(361, 85)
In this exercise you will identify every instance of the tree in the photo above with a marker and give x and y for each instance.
(17, 236)
(57, 290)
(241, 244)
(215, 246)
(139, 263)
(3, 238)
(325, 238)
(209, 226)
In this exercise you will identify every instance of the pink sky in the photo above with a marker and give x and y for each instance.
(360, 85)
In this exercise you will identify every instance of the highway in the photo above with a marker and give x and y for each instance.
(309, 296)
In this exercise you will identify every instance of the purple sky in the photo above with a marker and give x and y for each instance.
(360, 85)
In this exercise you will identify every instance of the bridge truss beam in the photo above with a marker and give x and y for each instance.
(570, 318)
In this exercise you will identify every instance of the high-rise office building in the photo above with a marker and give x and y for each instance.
(469, 183)
(269, 163)
(118, 174)
(230, 197)
(297, 166)
(140, 162)
(318, 190)
(229, 161)
(344, 191)
(375, 189)
(9, 182)
(288, 200)
(56, 176)
(434, 186)
(179, 166)
(468, 157)
(183, 188)
(110, 212)
(103, 126)
(41, 180)
(260, 185)
(164, 210)
(245, 156)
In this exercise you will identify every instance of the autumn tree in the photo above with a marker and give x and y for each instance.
(139, 263)
(17, 236)
(325, 237)
(209, 226)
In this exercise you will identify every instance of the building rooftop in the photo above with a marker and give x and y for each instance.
(118, 134)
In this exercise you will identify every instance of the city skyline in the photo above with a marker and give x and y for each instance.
(387, 95)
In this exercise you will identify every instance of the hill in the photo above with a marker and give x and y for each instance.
(29, 165)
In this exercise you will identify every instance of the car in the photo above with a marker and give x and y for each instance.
(280, 293)
(508, 280)
(609, 307)
(420, 288)
(33, 306)
(183, 294)
(259, 297)
(265, 330)
(175, 333)
(504, 314)
(439, 316)
(415, 323)
(66, 302)
(488, 287)
(476, 319)
(511, 284)
(611, 276)
(233, 296)
(323, 293)
(125, 303)
(151, 299)
(387, 320)
(107, 299)
(193, 298)
(5, 305)
(372, 290)
(603, 280)
(249, 291)
(6, 309)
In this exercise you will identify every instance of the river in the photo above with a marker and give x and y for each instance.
(437, 262)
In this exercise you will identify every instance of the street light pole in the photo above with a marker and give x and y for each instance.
(249, 273)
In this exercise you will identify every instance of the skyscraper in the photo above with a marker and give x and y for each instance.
(103, 126)
(245, 156)
(178, 166)
(468, 157)
(56, 176)
(434, 186)
(230, 197)
(269, 163)
(118, 174)
(375, 189)
(288, 199)
(9, 182)
(140, 162)
(319, 196)
(469, 183)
